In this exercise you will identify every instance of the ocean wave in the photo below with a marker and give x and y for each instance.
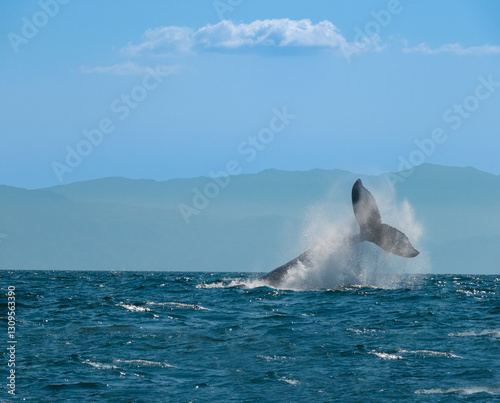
(226, 283)
(338, 345)
(289, 381)
(99, 365)
(401, 352)
(473, 333)
(134, 308)
(275, 358)
(460, 391)
(364, 330)
(386, 356)
(430, 352)
(478, 294)
(179, 305)
(146, 362)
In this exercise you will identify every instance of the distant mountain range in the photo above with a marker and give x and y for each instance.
(249, 222)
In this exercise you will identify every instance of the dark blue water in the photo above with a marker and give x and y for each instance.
(203, 337)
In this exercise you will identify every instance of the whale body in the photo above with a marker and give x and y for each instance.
(371, 229)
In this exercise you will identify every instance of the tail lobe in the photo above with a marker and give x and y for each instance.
(371, 227)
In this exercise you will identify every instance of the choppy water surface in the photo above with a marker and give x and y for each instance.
(143, 337)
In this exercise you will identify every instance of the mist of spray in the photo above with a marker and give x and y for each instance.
(336, 261)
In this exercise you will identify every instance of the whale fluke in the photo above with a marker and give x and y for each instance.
(371, 227)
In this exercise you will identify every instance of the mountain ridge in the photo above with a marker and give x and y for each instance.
(255, 222)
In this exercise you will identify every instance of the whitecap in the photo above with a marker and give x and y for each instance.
(364, 330)
(459, 391)
(386, 356)
(146, 362)
(292, 382)
(179, 305)
(134, 308)
(99, 365)
(473, 333)
(275, 357)
(430, 352)
(226, 283)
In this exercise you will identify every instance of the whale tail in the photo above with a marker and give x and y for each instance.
(371, 227)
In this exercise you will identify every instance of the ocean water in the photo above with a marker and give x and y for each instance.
(222, 337)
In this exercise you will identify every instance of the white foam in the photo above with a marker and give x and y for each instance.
(146, 362)
(364, 330)
(473, 333)
(99, 365)
(179, 305)
(460, 391)
(275, 357)
(386, 356)
(225, 283)
(292, 382)
(134, 308)
(430, 352)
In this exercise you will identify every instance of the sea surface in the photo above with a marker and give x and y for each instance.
(222, 337)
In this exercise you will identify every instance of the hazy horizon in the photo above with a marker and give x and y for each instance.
(250, 222)
(251, 173)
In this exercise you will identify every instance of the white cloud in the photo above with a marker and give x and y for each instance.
(126, 69)
(260, 33)
(283, 32)
(455, 48)
(163, 40)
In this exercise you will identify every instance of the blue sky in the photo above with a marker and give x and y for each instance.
(369, 87)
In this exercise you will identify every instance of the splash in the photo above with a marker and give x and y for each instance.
(335, 260)
(339, 262)
(226, 283)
